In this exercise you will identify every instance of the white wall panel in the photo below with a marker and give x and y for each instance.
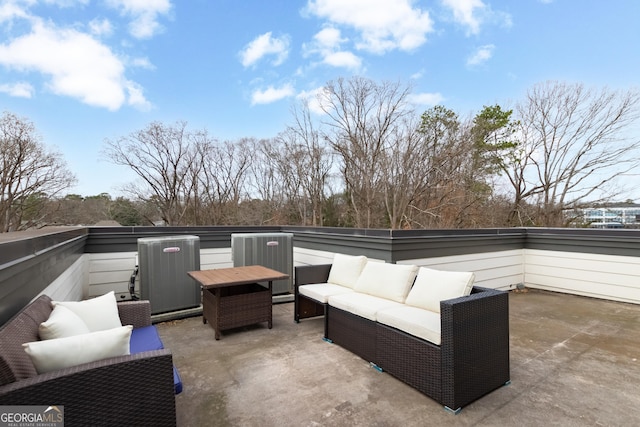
(71, 284)
(215, 258)
(495, 270)
(600, 276)
(303, 256)
(111, 272)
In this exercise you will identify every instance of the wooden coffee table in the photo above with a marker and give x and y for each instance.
(231, 297)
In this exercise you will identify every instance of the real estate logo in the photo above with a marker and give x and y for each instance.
(32, 416)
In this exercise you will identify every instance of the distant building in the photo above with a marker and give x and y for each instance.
(622, 215)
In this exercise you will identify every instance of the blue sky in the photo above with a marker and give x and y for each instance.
(84, 70)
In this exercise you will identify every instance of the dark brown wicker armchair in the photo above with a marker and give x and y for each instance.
(128, 390)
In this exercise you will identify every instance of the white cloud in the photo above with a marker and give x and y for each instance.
(66, 3)
(19, 90)
(271, 94)
(464, 13)
(144, 15)
(265, 45)
(10, 10)
(481, 55)
(100, 27)
(142, 63)
(473, 13)
(136, 97)
(326, 43)
(76, 64)
(382, 25)
(329, 38)
(343, 59)
(417, 75)
(430, 99)
(313, 98)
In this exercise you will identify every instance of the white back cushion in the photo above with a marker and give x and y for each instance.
(346, 269)
(99, 314)
(61, 323)
(433, 286)
(59, 353)
(390, 281)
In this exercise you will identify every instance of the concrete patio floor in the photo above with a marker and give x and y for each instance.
(575, 361)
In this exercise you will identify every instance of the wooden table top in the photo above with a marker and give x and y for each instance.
(222, 277)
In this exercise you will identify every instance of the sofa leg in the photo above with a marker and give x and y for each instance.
(327, 340)
(376, 367)
(452, 411)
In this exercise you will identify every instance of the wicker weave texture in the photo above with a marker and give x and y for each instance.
(472, 360)
(475, 346)
(124, 391)
(352, 332)
(128, 390)
(15, 364)
(135, 313)
(411, 360)
(228, 308)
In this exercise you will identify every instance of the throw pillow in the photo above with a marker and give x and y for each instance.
(59, 353)
(390, 281)
(99, 314)
(346, 269)
(433, 286)
(61, 323)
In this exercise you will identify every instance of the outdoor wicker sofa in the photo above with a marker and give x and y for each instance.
(136, 389)
(471, 360)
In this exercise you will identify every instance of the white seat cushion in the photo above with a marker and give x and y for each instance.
(99, 314)
(322, 291)
(61, 323)
(415, 321)
(363, 305)
(346, 269)
(59, 353)
(390, 281)
(433, 286)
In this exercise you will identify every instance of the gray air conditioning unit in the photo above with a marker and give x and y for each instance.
(271, 250)
(164, 263)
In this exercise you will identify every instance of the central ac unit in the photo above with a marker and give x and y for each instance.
(271, 250)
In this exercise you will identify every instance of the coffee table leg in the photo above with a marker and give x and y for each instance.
(218, 296)
(202, 297)
(270, 324)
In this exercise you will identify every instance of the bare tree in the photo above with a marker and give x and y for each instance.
(166, 160)
(30, 174)
(281, 158)
(408, 168)
(573, 144)
(304, 163)
(222, 183)
(362, 116)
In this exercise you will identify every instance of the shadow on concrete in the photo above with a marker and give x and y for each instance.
(575, 361)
